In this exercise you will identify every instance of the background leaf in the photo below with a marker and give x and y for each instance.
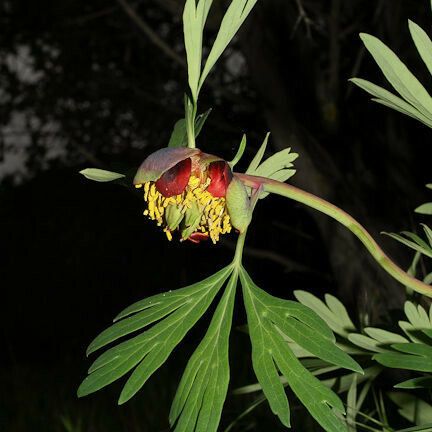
(416, 383)
(422, 42)
(390, 100)
(100, 175)
(399, 76)
(333, 312)
(266, 317)
(179, 135)
(412, 408)
(412, 356)
(425, 209)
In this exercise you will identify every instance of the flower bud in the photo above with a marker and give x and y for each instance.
(238, 204)
(191, 220)
(173, 216)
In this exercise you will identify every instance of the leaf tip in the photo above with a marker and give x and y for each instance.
(122, 399)
(82, 391)
(90, 350)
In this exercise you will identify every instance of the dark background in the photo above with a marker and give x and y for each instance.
(100, 84)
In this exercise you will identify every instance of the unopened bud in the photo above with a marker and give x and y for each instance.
(238, 205)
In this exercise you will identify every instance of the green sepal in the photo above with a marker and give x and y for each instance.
(238, 205)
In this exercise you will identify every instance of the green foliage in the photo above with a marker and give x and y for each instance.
(302, 345)
(412, 356)
(352, 404)
(415, 383)
(426, 208)
(194, 19)
(258, 156)
(422, 247)
(200, 120)
(179, 137)
(276, 167)
(234, 17)
(375, 340)
(333, 312)
(415, 242)
(413, 409)
(423, 43)
(270, 318)
(239, 153)
(175, 312)
(202, 391)
(411, 351)
(414, 99)
(416, 354)
(100, 175)
(274, 325)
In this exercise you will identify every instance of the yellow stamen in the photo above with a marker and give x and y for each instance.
(214, 220)
(168, 234)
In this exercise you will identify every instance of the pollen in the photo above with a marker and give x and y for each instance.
(214, 219)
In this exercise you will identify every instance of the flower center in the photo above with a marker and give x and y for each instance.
(212, 216)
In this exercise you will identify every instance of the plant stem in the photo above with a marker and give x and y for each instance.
(239, 250)
(190, 114)
(343, 218)
(191, 131)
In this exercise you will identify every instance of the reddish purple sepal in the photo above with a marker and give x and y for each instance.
(161, 161)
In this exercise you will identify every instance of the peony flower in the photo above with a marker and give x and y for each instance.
(193, 192)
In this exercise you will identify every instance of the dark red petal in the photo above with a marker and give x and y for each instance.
(197, 237)
(220, 177)
(174, 181)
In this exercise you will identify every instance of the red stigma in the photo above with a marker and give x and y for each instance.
(197, 237)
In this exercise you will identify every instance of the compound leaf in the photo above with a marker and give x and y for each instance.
(269, 319)
(194, 18)
(149, 350)
(234, 17)
(202, 391)
(399, 76)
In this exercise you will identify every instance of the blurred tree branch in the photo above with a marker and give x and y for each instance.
(302, 17)
(152, 35)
